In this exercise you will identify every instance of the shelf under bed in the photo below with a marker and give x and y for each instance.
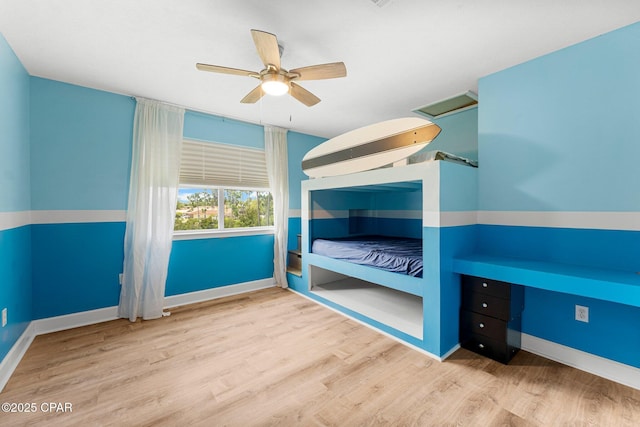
(399, 310)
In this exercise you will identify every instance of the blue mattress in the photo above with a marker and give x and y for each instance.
(396, 254)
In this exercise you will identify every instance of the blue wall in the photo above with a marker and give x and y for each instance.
(16, 290)
(80, 147)
(81, 150)
(14, 136)
(65, 154)
(81, 154)
(341, 213)
(560, 134)
(459, 134)
(556, 134)
(205, 127)
(298, 145)
(201, 264)
(15, 242)
(76, 267)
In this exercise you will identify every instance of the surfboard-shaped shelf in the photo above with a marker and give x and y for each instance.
(369, 147)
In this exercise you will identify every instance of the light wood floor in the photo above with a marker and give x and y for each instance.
(272, 357)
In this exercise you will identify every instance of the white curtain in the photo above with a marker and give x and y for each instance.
(275, 150)
(153, 192)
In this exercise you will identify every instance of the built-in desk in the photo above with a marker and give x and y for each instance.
(604, 284)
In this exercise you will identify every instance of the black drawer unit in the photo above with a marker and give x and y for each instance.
(490, 317)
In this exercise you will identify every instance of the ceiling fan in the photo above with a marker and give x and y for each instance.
(274, 79)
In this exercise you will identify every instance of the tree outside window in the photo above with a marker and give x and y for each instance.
(201, 209)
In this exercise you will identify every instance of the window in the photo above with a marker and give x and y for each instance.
(220, 208)
(222, 187)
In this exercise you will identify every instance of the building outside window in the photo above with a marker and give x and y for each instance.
(222, 187)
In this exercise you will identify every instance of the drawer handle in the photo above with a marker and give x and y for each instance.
(481, 325)
(484, 284)
(481, 345)
(485, 305)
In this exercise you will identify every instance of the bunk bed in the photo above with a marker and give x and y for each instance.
(424, 208)
(396, 254)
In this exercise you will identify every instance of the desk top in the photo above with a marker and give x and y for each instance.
(604, 284)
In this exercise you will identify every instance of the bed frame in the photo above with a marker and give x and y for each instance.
(434, 201)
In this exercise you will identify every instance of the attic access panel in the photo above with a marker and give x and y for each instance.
(448, 106)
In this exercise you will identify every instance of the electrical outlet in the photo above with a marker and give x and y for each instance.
(4, 317)
(120, 277)
(582, 313)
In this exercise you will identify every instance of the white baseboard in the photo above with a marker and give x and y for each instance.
(605, 368)
(74, 320)
(11, 360)
(214, 293)
(91, 317)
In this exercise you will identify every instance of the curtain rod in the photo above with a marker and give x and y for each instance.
(135, 98)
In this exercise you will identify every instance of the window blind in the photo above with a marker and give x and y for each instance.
(222, 165)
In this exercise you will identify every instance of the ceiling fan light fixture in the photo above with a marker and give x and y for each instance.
(275, 84)
(275, 80)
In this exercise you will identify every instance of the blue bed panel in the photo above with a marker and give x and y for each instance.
(441, 286)
(454, 241)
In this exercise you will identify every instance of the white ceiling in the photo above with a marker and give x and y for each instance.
(403, 55)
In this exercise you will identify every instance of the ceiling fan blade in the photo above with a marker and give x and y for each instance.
(226, 70)
(303, 95)
(253, 96)
(267, 46)
(320, 72)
